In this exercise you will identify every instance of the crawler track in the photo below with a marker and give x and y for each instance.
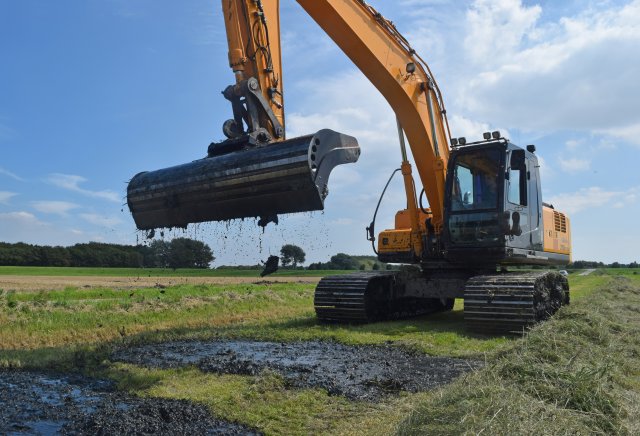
(512, 302)
(368, 297)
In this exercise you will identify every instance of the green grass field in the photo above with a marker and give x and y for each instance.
(575, 374)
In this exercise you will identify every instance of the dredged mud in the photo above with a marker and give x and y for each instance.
(45, 404)
(357, 372)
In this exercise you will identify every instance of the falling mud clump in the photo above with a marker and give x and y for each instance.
(38, 403)
(270, 266)
(356, 372)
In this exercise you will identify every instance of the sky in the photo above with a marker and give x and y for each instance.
(94, 91)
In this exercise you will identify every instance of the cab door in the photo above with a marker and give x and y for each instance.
(516, 210)
(535, 203)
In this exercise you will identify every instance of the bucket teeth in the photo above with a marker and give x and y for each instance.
(285, 177)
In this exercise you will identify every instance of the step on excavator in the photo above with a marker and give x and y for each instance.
(484, 214)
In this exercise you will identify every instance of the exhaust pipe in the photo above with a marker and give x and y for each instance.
(263, 181)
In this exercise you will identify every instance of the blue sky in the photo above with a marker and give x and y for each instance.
(94, 91)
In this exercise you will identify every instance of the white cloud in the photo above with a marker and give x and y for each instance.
(100, 220)
(10, 174)
(22, 227)
(25, 227)
(345, 177)
(572, 144)
(472, 130)
(630, 133)
(22, 216)
(54, 207)
(593, 198)
(575, 165)
(5, 196)
(546, 171)
(72, 183)
(347, 103)
(578, 73)
(497, 28)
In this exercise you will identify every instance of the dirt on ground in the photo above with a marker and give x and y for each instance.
(357, 372)
(39, 403)
(51, 283)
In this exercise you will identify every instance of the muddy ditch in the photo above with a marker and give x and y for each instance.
(356, 372)
(39, 403)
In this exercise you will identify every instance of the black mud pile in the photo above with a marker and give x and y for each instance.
(34, 403)
(357, 372)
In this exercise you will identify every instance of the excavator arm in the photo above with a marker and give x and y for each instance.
(253, 37)
(388, 61)
(376, 47)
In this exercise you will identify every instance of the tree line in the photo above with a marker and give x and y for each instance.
(177, 253)
(343, 261)
(582, 264)
(188, 253)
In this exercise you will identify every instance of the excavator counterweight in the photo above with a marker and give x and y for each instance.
(262, 181)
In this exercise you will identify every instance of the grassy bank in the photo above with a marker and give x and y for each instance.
(577, 373)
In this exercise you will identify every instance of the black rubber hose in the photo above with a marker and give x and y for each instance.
(421, 206)
(371, 229)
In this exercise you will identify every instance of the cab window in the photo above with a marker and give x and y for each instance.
(475, 184)
(517, 179)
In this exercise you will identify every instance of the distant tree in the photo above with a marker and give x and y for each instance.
(98, 254)
(376, 266)
(389, 267)
(157, 254)
(634, 264)
(343, 261)
(362, 267)
(55, 256)
(291, 254)
(615, 265)
(189, 253)
(19, 254)
(581, 264)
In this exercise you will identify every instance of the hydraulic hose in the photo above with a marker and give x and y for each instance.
(371, 229)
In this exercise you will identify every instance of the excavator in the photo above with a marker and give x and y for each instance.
(485, 212)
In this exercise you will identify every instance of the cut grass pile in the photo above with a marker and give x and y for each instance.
(576, 374)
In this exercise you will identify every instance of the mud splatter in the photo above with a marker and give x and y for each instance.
(357, 372)
(38, 403)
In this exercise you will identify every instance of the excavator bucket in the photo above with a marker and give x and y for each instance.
(264, 181)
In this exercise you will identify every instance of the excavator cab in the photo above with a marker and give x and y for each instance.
(493, 210)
